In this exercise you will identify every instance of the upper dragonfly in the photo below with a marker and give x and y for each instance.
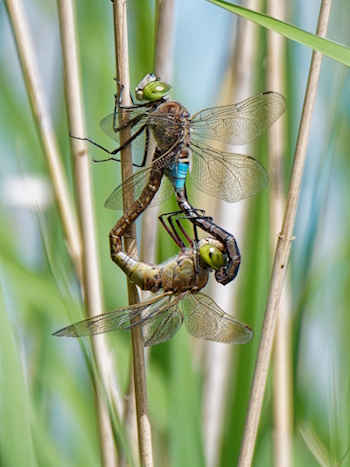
(225, 175)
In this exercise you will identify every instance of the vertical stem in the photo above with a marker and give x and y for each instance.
(143, 423)
(162, 67)
(164, 39)
(282, 253)
(91, 269)
(282, 375)
(43, 122)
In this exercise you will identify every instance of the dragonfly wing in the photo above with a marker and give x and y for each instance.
(226, 175)
(106, 322)
(137, 119)
(165, 191)
(239, 123)
(205, 319)
(159, 319)
(163, 320)
(130, 190)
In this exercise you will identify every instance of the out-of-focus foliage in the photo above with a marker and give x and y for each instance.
(46, 397)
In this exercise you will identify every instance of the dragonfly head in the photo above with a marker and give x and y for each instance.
(152, 89)
(212, 252)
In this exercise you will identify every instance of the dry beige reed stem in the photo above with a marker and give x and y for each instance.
(282, 355)
(43, 122)
(143, 422)
(282, 254)
(91, 268)
(163, 59)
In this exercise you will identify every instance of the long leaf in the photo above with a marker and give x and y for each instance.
(338, 52)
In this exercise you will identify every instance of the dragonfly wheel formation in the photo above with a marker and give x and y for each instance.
(228, 176)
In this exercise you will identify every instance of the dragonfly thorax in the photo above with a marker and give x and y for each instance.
(168, 122)
(180, 274)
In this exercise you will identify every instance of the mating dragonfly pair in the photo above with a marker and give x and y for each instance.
(228, 176)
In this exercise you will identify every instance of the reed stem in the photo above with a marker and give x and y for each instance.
(282, 253)
(43, 122)
(282, 353)
(91, 267)
(143, 422)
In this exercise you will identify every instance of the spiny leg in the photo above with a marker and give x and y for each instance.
(228, 272)
(172, 230)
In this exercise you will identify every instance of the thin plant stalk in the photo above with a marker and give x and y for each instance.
(282, 376)
(143, 422)
(163, 60)
(163, 57)
(91, 268)
(282, 253)
(238, 84)
(43, 122)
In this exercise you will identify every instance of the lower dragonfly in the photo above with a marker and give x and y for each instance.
(228, 176)
(160, 317)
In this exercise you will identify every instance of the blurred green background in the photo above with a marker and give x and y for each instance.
(46, 398)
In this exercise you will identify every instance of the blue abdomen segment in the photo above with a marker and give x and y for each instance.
(177, 175)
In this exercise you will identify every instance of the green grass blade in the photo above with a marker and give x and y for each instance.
(331, 49)
(16, 444)
(185, 412)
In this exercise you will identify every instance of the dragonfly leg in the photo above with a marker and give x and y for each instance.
(123, 146)
(118, 101)
(120, 105)
(179, 215)
(229, 271)
(145, 152)
(120, 148)
(172, 231)
(97, 145)
(179, 218)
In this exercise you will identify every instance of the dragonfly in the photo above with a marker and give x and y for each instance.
(176, 285)
(228, 176)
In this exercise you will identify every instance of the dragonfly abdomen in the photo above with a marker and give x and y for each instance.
(177, 174)
(144, 275)
(176, 275)
(136, 209)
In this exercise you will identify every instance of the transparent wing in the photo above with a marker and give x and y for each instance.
(159, 319)
(137, 119)
(226, 175)
(165, 191)
(205, 319)
(163, 322)
(137, 187)
(239, 123)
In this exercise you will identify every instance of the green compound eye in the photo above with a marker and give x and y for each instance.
(212, 256)
(156, 90)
